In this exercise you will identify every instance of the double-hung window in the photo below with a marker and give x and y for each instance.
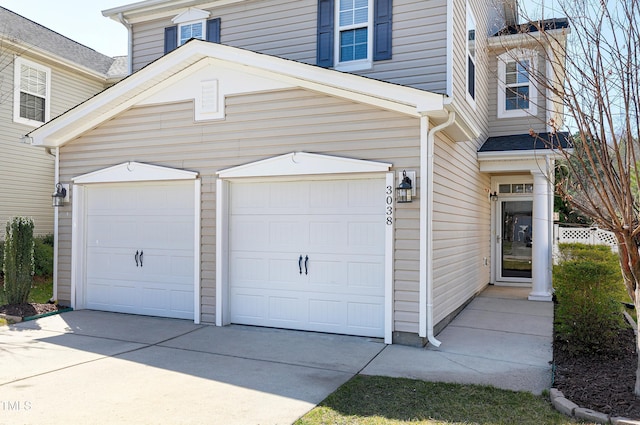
(354, 32)
(517, 94)
(32, 83)
(471, 56)
(192, 23)
(190, 30)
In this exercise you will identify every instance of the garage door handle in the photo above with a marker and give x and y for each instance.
(141, 254)
(136, 257)
(300, 264)
(306, 264)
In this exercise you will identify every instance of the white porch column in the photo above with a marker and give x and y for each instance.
(541, 282)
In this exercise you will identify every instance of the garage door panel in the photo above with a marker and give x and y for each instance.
(338, 225)
(154, 218)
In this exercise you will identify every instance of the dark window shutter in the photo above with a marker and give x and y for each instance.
(382, 19)
(170, 39)
(324, 53)
(213, 30)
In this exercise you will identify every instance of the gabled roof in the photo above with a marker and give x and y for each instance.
(197, 54)
(31, 36)
(525, 142)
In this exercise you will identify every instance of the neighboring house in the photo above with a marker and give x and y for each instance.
(42, 75)
(253, 179)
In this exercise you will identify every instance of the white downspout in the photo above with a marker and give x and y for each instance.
(129, 27)
(56, 179)
(426, 218)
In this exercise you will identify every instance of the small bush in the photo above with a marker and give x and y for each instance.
(43, 256)
(1, 258)
(588, 316)
(18, 259)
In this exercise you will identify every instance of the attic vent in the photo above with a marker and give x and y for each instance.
(209, 96)
(209, 101)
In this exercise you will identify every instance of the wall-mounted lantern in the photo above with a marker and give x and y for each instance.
(494, 196)
(404, 191)
(59, 195)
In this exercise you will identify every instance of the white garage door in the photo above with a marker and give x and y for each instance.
(140, 253)
(308, 255)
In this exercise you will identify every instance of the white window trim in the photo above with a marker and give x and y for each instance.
(18, 62)
(189, 17)
(470, 99)
(515, 56)
(357, 65)
(184, 24)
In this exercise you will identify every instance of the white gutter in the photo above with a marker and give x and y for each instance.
(129, 27)
(56, 178)
(427, 148)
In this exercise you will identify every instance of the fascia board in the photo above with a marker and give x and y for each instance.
(522, 39)
(521, 154)
(159, 9)
(159, 73)
(112, 101)
(48, 56)
(419, 100)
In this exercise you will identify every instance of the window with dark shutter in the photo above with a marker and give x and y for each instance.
(382, 19)
(170, 38)
(324, 53)
(213, 30)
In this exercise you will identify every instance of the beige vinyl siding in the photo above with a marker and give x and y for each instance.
(257, 126)
(461, 222)
(509, 126)
(27, 172)
(476, 114)
(419, 46)
(287, 29)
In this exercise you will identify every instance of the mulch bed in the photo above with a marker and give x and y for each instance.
(28, 309)
(603, 382)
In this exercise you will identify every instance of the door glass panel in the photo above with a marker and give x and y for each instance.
(516, 238)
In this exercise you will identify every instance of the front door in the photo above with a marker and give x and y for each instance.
(515, 240)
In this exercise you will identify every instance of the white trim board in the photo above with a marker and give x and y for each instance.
(134, 172)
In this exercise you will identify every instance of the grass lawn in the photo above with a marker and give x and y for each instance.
(41, 290)
(375, 400)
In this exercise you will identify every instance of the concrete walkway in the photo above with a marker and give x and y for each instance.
(95, 367)
(499, 339)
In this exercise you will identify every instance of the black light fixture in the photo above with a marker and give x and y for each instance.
(404, 191)
(59, 195)
(493, 196)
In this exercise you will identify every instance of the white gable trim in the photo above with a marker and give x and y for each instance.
(302, 163)
(148, 81)
(134, 172)
(191, 14)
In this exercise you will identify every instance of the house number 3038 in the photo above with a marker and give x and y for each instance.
(389, 202)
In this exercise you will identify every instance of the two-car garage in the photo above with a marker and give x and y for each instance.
(303, 253)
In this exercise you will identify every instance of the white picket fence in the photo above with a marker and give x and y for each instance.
(585, 235)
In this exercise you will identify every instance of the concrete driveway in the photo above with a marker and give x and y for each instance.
(95, 367)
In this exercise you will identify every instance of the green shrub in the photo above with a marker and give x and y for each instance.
(1, 258)
(43, 256)
(18, 259)
(588, 315)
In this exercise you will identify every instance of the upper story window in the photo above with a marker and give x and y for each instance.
(191, 30)
(471, 56)
(32, 94)
(192, 23)
(517, 93)
(352, 34)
